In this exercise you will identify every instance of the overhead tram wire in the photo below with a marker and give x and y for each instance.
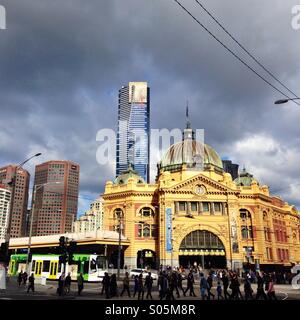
(230, 51)
(246, 50)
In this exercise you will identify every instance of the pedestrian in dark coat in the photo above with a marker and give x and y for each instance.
(80, 283)
(126, 285)
(61, 285)
(113, 286)
(25, 276)
(225, 281)
(68, 281)
(190, 284)
(247, 289)
(136, 285)
(260, 288)
(209, 287)
(106, 285)
(148, 285)
(140, 287)
(31, 283)
(20, 278)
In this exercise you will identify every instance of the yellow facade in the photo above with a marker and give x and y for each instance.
(222, 218)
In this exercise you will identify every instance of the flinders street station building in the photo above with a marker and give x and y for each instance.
(200, 215)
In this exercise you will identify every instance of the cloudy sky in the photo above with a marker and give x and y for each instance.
(63, 61)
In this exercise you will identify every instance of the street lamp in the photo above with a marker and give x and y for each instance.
(282, 101)
(35, 189)
(13, 183)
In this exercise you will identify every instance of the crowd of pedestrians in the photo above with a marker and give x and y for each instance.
(220, 285)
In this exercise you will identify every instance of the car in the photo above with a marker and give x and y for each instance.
(144, 272)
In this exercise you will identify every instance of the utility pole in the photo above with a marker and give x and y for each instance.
(119, 246)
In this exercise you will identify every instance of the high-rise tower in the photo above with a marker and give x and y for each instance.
(133, 138)
(20, 199)
(56, 186)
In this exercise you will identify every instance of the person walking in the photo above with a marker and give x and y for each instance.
(25, 276)
(271, 290)
(68, 281)
(106, 285)
(179, 282)
(170, 287)
(162, 285)
(203, 286)
(209, 287)
(80, 283)
(225, 281)
(20, 277)
(140, 287)
(61, 285)
(31, 283)
(126, 285)
(190, 284)
(148, 285)
(175, 281)
(234, 285)
(260, 288)
(219, 291)
(136, 285)
(113, 286)
(247, 289)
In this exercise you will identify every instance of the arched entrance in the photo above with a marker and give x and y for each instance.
(146, 259)
(204, 248)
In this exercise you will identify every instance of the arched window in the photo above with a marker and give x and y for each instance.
(245, 214)
(246, 224)
(146, 212)
(201, 239)
(118, 213)
(146, 231)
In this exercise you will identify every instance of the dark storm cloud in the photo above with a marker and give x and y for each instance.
(62, 63)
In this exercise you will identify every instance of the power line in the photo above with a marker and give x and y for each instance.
(230, 51)
(246, 50)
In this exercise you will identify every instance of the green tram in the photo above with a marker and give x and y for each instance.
(92, 266)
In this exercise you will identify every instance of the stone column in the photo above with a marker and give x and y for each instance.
(212, 208)
(200, 207)
(176, 207)
(223, 208)
(188, 208)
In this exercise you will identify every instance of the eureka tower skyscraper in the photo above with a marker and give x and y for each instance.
(133, 137)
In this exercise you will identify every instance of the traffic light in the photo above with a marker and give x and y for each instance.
(30, 257)
(71, 250)
(63, 259)
(62, 241)
(3, 252)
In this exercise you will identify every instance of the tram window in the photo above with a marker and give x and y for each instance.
(100, 262)
(46, 266)
(33, 265)
(93, 265)
(86, 267)
(59, 267)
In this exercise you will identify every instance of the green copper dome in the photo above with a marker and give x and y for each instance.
(244, 179)
(126, 175)
(185, 152)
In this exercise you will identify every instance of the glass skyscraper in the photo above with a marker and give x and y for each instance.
(133, 138)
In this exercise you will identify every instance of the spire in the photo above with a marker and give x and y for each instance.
(188, 124)
(188, 132)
